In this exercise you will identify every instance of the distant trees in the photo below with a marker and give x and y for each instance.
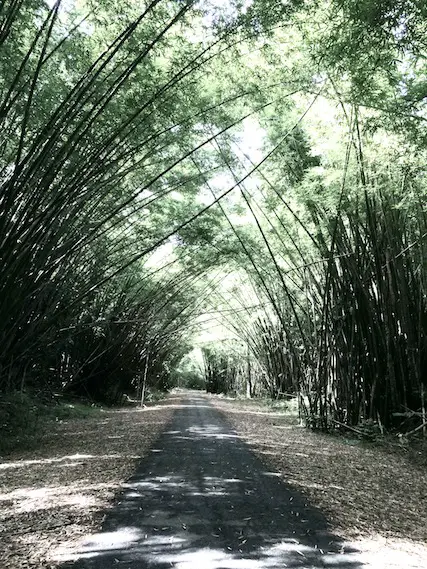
(342, 233)
(96, 134)
(129, 174)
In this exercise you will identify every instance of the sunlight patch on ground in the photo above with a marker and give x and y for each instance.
(248, 411)
(211, 431)
(99, 542)
(212, 486)
(208, 431)
(383, 553)
(25, 463)
(43, 498)
(207, 559)
(132, 544)
(375, 553)
(273, 474)
(174, 406)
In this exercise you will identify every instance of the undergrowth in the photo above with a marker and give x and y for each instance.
(24, 418)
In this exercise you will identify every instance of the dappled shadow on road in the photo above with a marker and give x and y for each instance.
(203, 500)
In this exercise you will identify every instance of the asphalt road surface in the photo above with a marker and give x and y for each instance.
(203, 500)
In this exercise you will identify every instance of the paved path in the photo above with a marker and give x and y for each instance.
(202, 500)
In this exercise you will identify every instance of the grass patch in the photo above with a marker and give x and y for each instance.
(154, 395)
(24, 418)
(74, 410)
(287, 407)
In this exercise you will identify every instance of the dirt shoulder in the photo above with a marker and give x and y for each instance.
(59, 491)
(369, 493)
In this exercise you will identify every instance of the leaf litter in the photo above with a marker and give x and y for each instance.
(373, 494)
(60, 491)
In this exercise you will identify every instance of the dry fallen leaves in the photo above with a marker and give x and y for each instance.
(59, 491)
(365, 490)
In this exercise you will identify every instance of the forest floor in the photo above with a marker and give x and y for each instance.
(373, 494)
(61, 488)
(202, 500)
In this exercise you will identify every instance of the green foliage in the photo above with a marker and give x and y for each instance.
(191, 380)
(187, 373)
(25, 417)
(101, 132)
(19, 419)
(129, 191)
(222, 370)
